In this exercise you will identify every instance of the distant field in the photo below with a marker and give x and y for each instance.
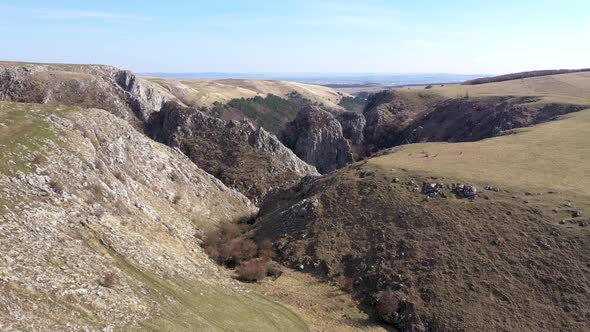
(207, 92)
(564, 88)
(554, 155)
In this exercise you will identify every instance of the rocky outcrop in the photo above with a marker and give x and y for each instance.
(353, 125)
(117, 91)
(242, 156)
(316, 137)
(142, 97)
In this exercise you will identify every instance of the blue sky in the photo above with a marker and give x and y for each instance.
(375, 36)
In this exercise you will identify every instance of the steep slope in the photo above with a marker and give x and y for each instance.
(316, 137)
(204, 93)
(512, 258)
(470, 112)
(100, 228)
(117, 91)
(244, 157)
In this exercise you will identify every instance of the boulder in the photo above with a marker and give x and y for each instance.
(316, 137)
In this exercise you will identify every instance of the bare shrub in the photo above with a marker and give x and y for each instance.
(57, 186)
(97, 193)
(39, 159)
(388, 304)
(266, 250)
(119, 176)
(228, 246)
(274, 270)
(173, 176)
(109, 280)
(347, 284)
(253, 270)
(177, 198)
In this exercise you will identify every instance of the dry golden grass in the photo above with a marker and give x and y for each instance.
(206, 92)
(551, 156)
(564, 88)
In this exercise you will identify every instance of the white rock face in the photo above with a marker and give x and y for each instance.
(103, 199)
(118, 91)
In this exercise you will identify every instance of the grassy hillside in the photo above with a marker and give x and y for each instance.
(201, 93)
(565, 88)
(550, 156)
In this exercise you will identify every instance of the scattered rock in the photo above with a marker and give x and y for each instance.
(465, 190)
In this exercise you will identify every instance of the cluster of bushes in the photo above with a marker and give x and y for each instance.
(353, 104)
(387, 306)
(271, 112)
(232, 246)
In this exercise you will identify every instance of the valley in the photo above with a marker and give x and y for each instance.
(453, 207)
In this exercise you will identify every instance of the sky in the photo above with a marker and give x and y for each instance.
(284, 36)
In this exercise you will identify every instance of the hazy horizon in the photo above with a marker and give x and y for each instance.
(326, 36)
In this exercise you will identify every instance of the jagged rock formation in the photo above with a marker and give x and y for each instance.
(105, 87)
(316, 137)
(100, 228)
(353, 125)
(242, 156)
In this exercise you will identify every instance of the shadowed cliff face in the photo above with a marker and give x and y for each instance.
(316, 137)
(394, 118)
(242, 156)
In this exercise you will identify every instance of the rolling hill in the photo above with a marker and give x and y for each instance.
(204, 93)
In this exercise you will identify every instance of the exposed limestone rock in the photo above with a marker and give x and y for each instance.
(242, 156)
(353, 125)
(92, 225)
(316, 137)
(105, 87)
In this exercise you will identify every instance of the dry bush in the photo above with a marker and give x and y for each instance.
(108, 280)
(388, 304)
(57, 186)
(274, 270)
(97, 193)
(119, 176)
(347, 284)
(266, 250)
(253, 270)
(39, 159)
(228, 246)
(173, 176)
(177, 198)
